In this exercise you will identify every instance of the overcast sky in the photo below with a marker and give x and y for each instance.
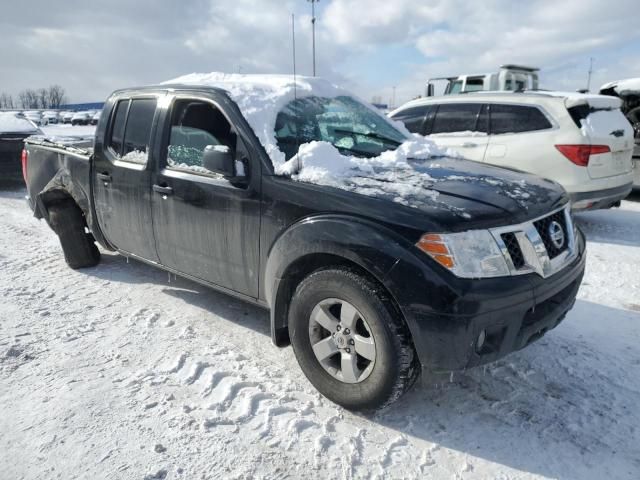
(94, 47)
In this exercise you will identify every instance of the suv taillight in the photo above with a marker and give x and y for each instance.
(580, 154)
(25, 157)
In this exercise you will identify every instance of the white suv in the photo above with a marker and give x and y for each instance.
(583, 142)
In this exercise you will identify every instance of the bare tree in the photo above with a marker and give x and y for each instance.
(6, 101)
(28, 98)
(43, 98)
(57, 96)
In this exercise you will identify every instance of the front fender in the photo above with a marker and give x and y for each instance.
(369, 245)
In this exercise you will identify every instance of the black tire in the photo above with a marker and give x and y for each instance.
(78, 246)
(396, 366)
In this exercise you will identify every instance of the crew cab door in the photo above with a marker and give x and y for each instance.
(206, 226)
(461, 127)
(122, 176)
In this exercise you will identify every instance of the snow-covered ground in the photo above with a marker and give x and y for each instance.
(121, 372)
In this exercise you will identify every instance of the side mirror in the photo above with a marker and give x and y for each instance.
(430, 90)
(218, 159)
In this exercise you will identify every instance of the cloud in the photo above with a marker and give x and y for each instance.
(92, 48)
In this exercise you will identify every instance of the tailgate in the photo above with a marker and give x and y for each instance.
(603, 123)
(10, 155)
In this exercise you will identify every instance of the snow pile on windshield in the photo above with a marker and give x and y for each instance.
(260, 99)
(388, 174)
(11, 123)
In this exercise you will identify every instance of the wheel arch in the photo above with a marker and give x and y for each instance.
(327, 242)
(62, 188)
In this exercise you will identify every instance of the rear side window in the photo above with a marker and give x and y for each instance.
(456, 117)
(137, 134)
(117, 129)
(413, 118)
(517, 119)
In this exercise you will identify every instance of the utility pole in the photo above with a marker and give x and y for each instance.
(313, 33)
(590, 72)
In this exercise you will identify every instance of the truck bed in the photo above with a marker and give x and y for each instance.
(56, 166)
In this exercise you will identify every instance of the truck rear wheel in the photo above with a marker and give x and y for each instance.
(80, 250)
(350, 341)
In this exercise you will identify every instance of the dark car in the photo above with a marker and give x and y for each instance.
(403, 262)
(14, 129)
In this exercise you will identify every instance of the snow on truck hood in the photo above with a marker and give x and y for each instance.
(404, 175)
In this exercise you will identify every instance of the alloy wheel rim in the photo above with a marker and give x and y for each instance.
(342, 341)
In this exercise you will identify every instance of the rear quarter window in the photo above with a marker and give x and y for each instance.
(137, 134)
(517, 119)
(116, 139)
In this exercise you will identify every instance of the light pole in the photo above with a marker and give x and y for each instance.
(313, 33)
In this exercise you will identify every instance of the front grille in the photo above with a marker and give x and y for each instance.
(513, 247)
(542, 226)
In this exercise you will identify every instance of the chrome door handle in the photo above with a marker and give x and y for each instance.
(163, 190)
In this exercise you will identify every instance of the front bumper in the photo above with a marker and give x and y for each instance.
(512, 311)
(599, 198)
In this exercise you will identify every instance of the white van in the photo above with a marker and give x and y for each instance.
(583, 142)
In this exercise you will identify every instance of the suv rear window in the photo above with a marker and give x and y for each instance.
(456, 117)
(517, 119)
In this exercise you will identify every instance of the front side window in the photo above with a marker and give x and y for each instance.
(196, 125)
(350, 126)
(517, 119)
(456, 117)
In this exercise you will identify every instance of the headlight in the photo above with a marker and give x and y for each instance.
(471, 254)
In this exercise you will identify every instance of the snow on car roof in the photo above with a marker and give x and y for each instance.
(12, 123)
(571, 98)
(623, 87)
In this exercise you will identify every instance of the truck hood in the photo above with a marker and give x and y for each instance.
(463, 194)
(439, 194)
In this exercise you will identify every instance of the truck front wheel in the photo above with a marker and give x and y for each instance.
(350, 341)
(80, 251)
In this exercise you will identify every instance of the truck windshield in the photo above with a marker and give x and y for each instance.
(350, 126)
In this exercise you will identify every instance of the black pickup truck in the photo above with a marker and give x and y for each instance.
(370, 283)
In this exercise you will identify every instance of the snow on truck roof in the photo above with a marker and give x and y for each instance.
(261, 97)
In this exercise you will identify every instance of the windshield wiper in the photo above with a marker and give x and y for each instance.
(375, 135)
